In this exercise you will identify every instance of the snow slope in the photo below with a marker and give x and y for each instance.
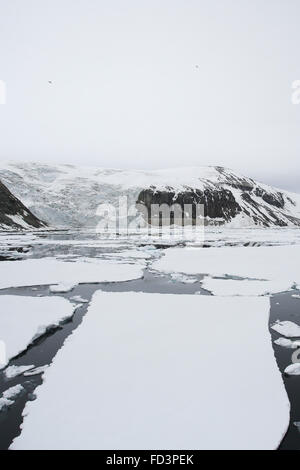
(68, 196)
(168, 375)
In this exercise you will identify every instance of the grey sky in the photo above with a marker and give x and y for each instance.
(153, 83)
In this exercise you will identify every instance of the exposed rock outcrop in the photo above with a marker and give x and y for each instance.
(13, 214)
(225, 198)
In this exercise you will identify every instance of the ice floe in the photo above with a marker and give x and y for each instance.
(279, 264)
(287, 343)
(134, 254)
(183, 278)
(9, 396)
(50, 271)
(287, 328)
(243, 287)
(23, 319)
(77, 306)
(172, 372)
(62, 287)
(297, 424)
(293, 369)
(13, 371)
(78, 298)
(36, 371)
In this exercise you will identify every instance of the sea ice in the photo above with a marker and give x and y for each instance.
(134, 254)
(23, 319)
(297, 424)
(9, 396)
(13, 392)
(78, 298)
(62, 287)
(36, 371)
(268, 263)
(13, 371)
(287, 343)
(170, 372)
(5, 403)
(184, 278)
(293, 369)
(230, 287)
(48, 271)
(287, 328)
(77, 306)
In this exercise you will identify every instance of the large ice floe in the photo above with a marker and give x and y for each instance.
(32, 272)
(172, 372)
(23, 319)
(279, 265)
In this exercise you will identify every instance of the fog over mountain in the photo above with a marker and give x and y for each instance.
(152, 85)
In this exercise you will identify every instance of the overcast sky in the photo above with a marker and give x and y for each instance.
(153, 84)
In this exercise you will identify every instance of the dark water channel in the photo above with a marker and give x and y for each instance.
(43, 350)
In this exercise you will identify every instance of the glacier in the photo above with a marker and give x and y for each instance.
(67, 196)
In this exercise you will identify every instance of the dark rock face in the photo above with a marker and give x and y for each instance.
(223, 201)
(274, 199)
(217, 204)
(11, 206)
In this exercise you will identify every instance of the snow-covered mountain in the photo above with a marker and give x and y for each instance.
(68, 196)
(13, 214)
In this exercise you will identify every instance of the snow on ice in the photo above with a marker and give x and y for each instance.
(293, 369)
(63, 287)
(46, 271)
(23, 319)
(36, 371)
(9, 396)
(13, 371)
(131, 254)
(279, 264)
(297, 424)
(287, 343)
(287, 328)
(78, 298)
(224, 287)
(183, 278)
(160, 380)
